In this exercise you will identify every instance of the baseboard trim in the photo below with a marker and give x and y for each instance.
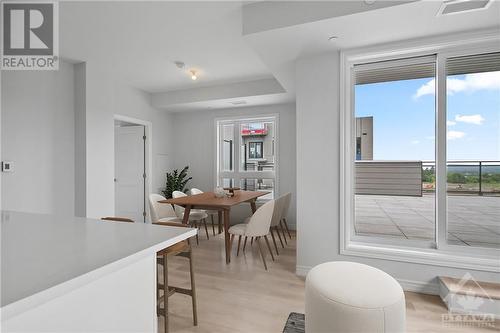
(429, 288)
(302, 270)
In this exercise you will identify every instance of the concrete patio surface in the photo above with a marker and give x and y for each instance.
(472, 220)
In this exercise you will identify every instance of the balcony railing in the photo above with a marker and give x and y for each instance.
(413, 178)
(466, 177)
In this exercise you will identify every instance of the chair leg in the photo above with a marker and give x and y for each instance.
(245, 243)
(239, 242)
(286, 227)
(193, 288)
(279, 236)
(274, 242)
(231, 243)
(206, 229)
(251, 241)
(213, 224)
(261, 253)
(283, 231)
(165, 291)
(195, 225)
(269, 247)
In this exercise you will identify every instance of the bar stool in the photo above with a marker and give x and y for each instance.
(181, 249)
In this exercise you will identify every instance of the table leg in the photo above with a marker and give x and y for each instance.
(226, 235)
(185, 219)
(219, 213)
(253, 206)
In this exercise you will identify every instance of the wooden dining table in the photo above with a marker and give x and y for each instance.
(209, 201)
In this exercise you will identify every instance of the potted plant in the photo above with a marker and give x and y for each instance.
(176, 181)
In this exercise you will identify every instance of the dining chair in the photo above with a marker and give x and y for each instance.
(275, 222)
(195, 215)
(257, 226)
(162, 212)
(181, 249)
(285, 207)
(195, 191)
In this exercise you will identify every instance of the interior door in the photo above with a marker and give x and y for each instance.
(129, 172)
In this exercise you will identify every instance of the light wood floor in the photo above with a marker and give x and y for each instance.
(243, 297)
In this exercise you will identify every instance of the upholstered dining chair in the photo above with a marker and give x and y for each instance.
(212, 213)
(195, 215)
(285, 207)
(257, 226)
(181, 249)
(161, 212)
(275, 221)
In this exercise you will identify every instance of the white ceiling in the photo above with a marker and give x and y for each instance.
(137, 42)
(279, 48)
(141, 40)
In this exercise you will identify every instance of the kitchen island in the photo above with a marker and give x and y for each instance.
(70, 274)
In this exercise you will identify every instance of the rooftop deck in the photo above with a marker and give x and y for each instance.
(472, 220)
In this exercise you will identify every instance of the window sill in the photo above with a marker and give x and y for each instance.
(423, 256)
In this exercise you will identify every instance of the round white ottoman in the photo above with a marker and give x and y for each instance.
(350, 297)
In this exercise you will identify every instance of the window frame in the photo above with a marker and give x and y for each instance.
(236, 174)
(438, 252)
(256, 143)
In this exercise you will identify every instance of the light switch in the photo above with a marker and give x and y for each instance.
(7, 166)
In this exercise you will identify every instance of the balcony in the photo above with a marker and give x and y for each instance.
(396, 208)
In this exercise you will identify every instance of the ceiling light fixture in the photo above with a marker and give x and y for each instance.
(193, 75)
(332, 38)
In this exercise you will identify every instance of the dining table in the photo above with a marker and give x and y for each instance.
(223, 205)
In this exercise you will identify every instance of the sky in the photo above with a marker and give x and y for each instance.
(404, 117)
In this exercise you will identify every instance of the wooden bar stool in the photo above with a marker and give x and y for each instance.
(181, 249)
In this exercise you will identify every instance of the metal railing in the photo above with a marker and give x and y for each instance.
(465, 177)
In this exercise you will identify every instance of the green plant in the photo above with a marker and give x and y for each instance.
(176, 181)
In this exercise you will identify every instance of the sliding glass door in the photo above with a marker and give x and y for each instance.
(425, 151)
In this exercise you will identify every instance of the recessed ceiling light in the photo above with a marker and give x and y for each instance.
(460, 6)
(332, 38)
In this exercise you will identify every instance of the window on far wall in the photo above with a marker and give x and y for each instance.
(255, 149)
(253, 166)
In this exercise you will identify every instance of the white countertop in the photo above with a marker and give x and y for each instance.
(44, 256)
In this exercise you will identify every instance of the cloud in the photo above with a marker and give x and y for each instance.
(452, 135)
(471, 82)
(475, 119)
(415, 142)
(426, 89)
(451, 122)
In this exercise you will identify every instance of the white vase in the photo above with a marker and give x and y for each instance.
(219, 192)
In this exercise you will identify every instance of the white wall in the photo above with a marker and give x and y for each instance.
(42, 114)
(318, 127)
(105, 97)
(38, 136)
(195, 146)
